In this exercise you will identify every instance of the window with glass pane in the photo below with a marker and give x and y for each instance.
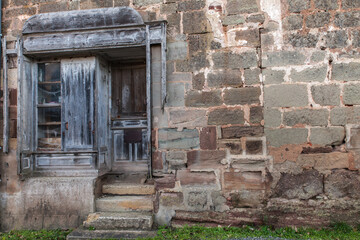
(49, 106)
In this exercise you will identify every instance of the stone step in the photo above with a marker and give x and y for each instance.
(119, 221)
(124, 203)
(80, 234)
(128, 189)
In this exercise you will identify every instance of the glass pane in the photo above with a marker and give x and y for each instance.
(49, 136)
(49, 72)
(49, 93)
(49, 115)
(49, 90)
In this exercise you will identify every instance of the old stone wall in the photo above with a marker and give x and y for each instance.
(260, 124)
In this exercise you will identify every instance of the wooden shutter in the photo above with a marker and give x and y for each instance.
(78, 103)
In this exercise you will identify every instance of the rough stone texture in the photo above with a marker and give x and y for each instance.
(284, 58)
(254, 147)
(173, 139)
(198, 81)
(252, 76)
(168, 181)
(218, 202)
(355, 35)
(342, 183)
(243, 181)
(199, 42)
(339, 116)
(318, 56)
(205, 159)
(309, 75)
(298, 5)
(326, 95)
(197, 200)
(353, 137)
(327, 4)
(176, 94)
(324, 161)
(203, 99)
(256, 115)
(346, 71)
(290, 95)
(187, 118)
(187, 178)
(272, 117)
(305, 185)
(194, 63)
(235, 147)
(351, 94)
(208, 138)
(347, 19)
(171, 199)
(241, 6)
(191, 5)
(279, 137)
(233, 20)
(346, 4)
(313, 117)
(293, 22)
(201, 26)
(336, 39)
(224, 116)
(317, 20)
(242, 96)
(225, 78)
(238, 132)
(250, 37)
(234, 60)
(124, 203)
(177, 50)
(305, 41)
(273, 76)
(246, 199)
(327, 136)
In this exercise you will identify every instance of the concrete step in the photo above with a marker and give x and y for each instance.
(80, 234)
(124, 203)
(128, 189)
(119, 221)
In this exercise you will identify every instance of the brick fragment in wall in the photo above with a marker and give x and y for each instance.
(246, 199)
(326, 4)
(256, 18)
(313, 150)
(252, 76)
(347, 19)
(283, 58)
(177, 50)
(146, 2)
(241, 96)
(243, 181)
(241, 6)
(272, 118)
(205, 159)
(225, 78)
(351, 94)
(273, 76)
(224, 116)
(336, 39)
(293, 22)
(305, 185)
(242, 131)
(313, 117)
(318, 20)
(208, 138)
(289, 95)
(234, 145)
(198, 81)
(203, 99)
(191, 5)
(172, 139)
(157, 160)
(186, 178)
(284, 136)
(199, 42)
(194, 63)
(254, 147)
(167, 181)
(346, 71)
(323, 161)
(233, 20)
(256, 114)
(339, 116)
(327, 136)
(326, 95)
(249, 37)
(304, 41)
(298, 5)
(232, 60)
(202, 25)
(188, 118)
(342, 183)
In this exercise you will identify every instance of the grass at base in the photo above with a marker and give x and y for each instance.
(336, 231)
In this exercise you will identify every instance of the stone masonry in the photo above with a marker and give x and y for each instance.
(262, 120)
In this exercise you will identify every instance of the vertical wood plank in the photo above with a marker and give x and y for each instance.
(6, 99)
(148, 97)
(163, 66)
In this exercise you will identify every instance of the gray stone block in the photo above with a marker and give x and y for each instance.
(346, 72)
(195, 22)
(273, 76)
(326, 4)
(225, 78)
(172, 139)
(289, 95)
(272, 118)
(327, 136)
(242, 96)
(252, 76)
(203, 99)
(256, 114)
(224, 116)
(177, 50)
(313, 117)
(233, 20)
(351, 95)
(339, 116)
(336, 39)
(293, 22)
(241, 6)
(191, 5)
(309, 75)
(283, 58)
(317, 20)
(346, 4)
(347, 19)
(256, 18)
(188, 118)
(248, 37)
(194, 63)
(235, 60)
(284, 136)
(318, 56)
(146, 2)
(198, 81)
(301, 40)
(355, 36)
(326, 95)
(298, 5)
(175, 94)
